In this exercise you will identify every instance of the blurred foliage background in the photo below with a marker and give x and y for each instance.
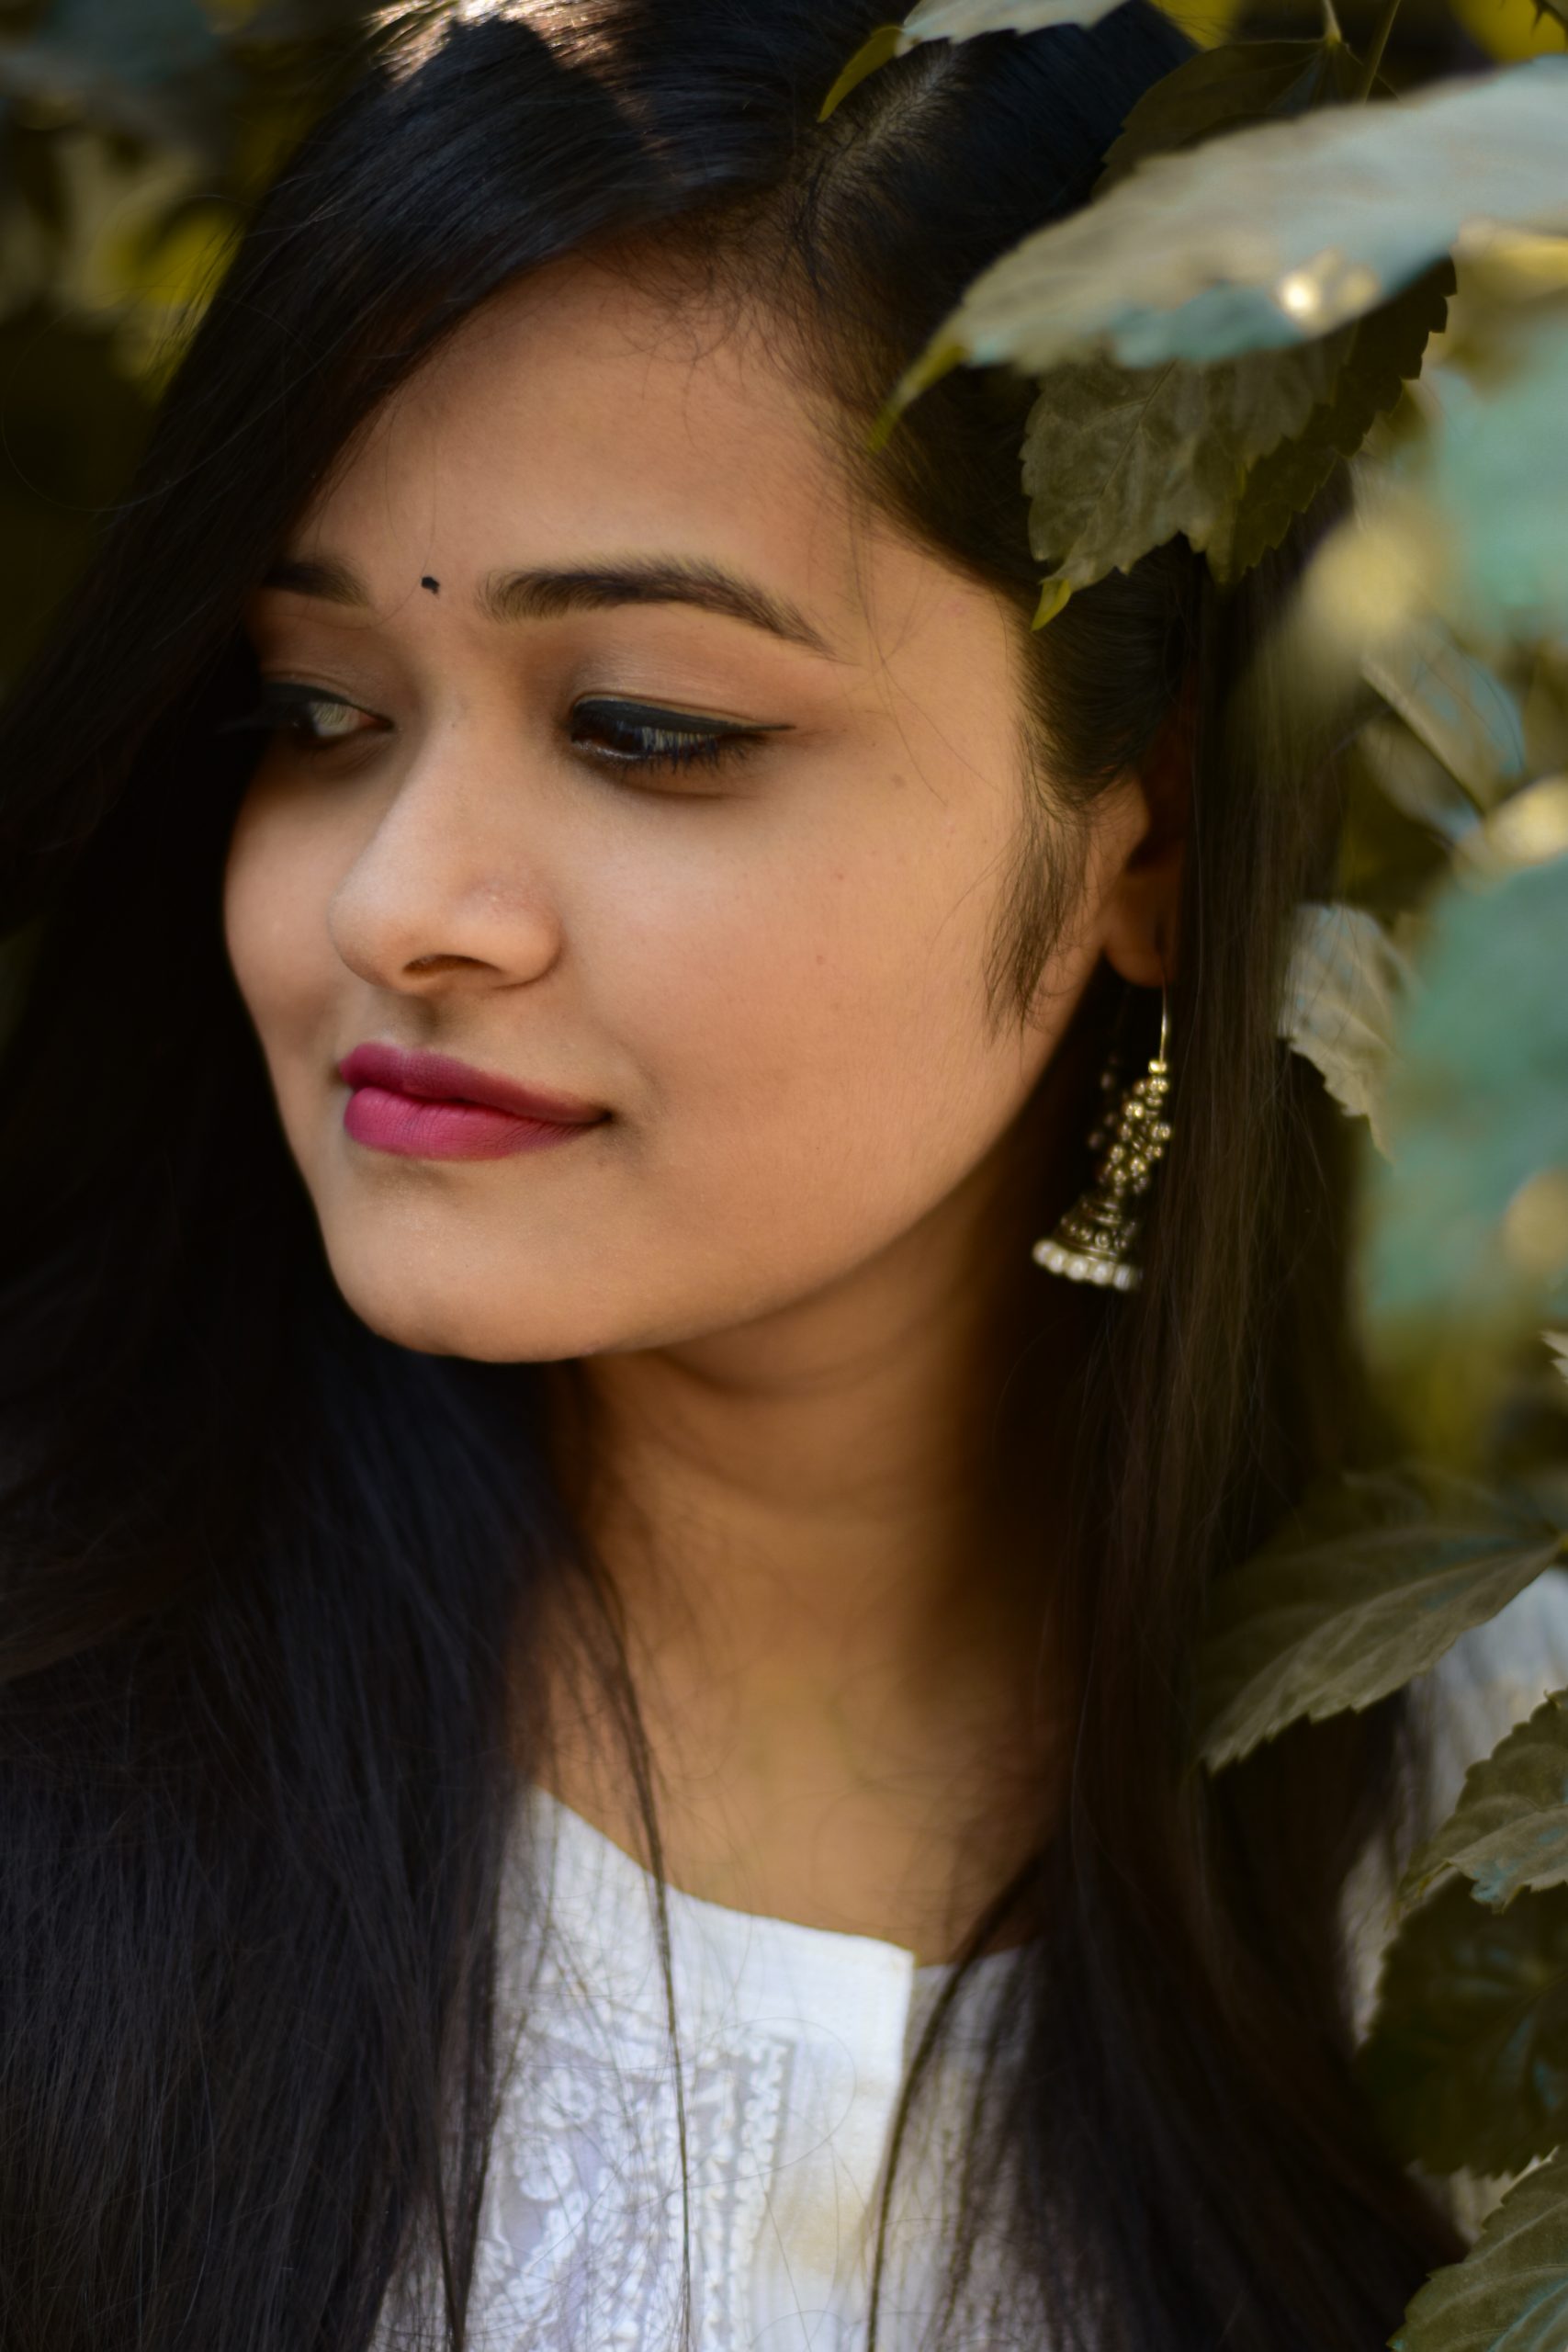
(135, 135)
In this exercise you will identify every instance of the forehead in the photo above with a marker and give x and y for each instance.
(582, 411)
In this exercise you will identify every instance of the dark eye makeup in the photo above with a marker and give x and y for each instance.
(629, 736)
(646, 735)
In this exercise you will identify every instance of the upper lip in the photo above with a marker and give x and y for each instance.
(440, 1078)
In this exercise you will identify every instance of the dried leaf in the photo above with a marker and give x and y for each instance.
(1510, 2293)
(1274, 235)
(1509, 1829)
(1378, 1574)
(1466, 2060)
(1342, 987)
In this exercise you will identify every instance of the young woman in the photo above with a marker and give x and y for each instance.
(597, 1709)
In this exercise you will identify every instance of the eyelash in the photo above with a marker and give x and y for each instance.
(662, 739)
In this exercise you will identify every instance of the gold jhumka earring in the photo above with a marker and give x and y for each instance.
(1096, 1242)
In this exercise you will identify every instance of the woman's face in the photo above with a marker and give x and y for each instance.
(621, 762)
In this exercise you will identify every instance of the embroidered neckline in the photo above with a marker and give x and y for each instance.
(581, 1853)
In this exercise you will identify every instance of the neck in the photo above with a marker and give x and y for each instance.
(834, 1613)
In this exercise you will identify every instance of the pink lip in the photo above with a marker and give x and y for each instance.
(429, 1106)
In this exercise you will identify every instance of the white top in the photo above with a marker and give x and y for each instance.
(793, 2045)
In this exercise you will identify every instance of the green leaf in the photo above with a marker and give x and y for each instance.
(1227, 89)
(1510, 2293)
(962, 19)
(1466, 2060)
(1509, 1828)
(1414, 780)
(148, 43)
(957, 21)
(1117, 461)
(1385, 348)
(1342, 985)
(1054, 594)
(1494, 472)
(1478, 1111)
(1461, 710)
(155, 70)
(1277, 234)
(1377, 1576)
(885, 43)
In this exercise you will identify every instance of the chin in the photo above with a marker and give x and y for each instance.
(442, 1318)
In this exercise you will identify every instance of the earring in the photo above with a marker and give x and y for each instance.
(1095, 1241)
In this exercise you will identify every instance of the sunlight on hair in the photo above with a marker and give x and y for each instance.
(414, 30)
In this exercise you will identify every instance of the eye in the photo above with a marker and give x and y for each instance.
(644, 737)
(313, 719)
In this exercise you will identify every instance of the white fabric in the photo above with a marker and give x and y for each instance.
(793, 2043)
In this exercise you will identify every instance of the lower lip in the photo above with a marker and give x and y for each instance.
(417, 1128)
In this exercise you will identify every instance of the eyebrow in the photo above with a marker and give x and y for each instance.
(546, 594)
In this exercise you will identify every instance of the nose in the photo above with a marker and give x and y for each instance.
(452, 878)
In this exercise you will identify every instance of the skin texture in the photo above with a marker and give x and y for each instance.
(771, 1276)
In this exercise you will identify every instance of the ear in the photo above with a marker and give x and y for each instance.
(1142, 908)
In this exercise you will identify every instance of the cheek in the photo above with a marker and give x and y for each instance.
(819, 1045)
